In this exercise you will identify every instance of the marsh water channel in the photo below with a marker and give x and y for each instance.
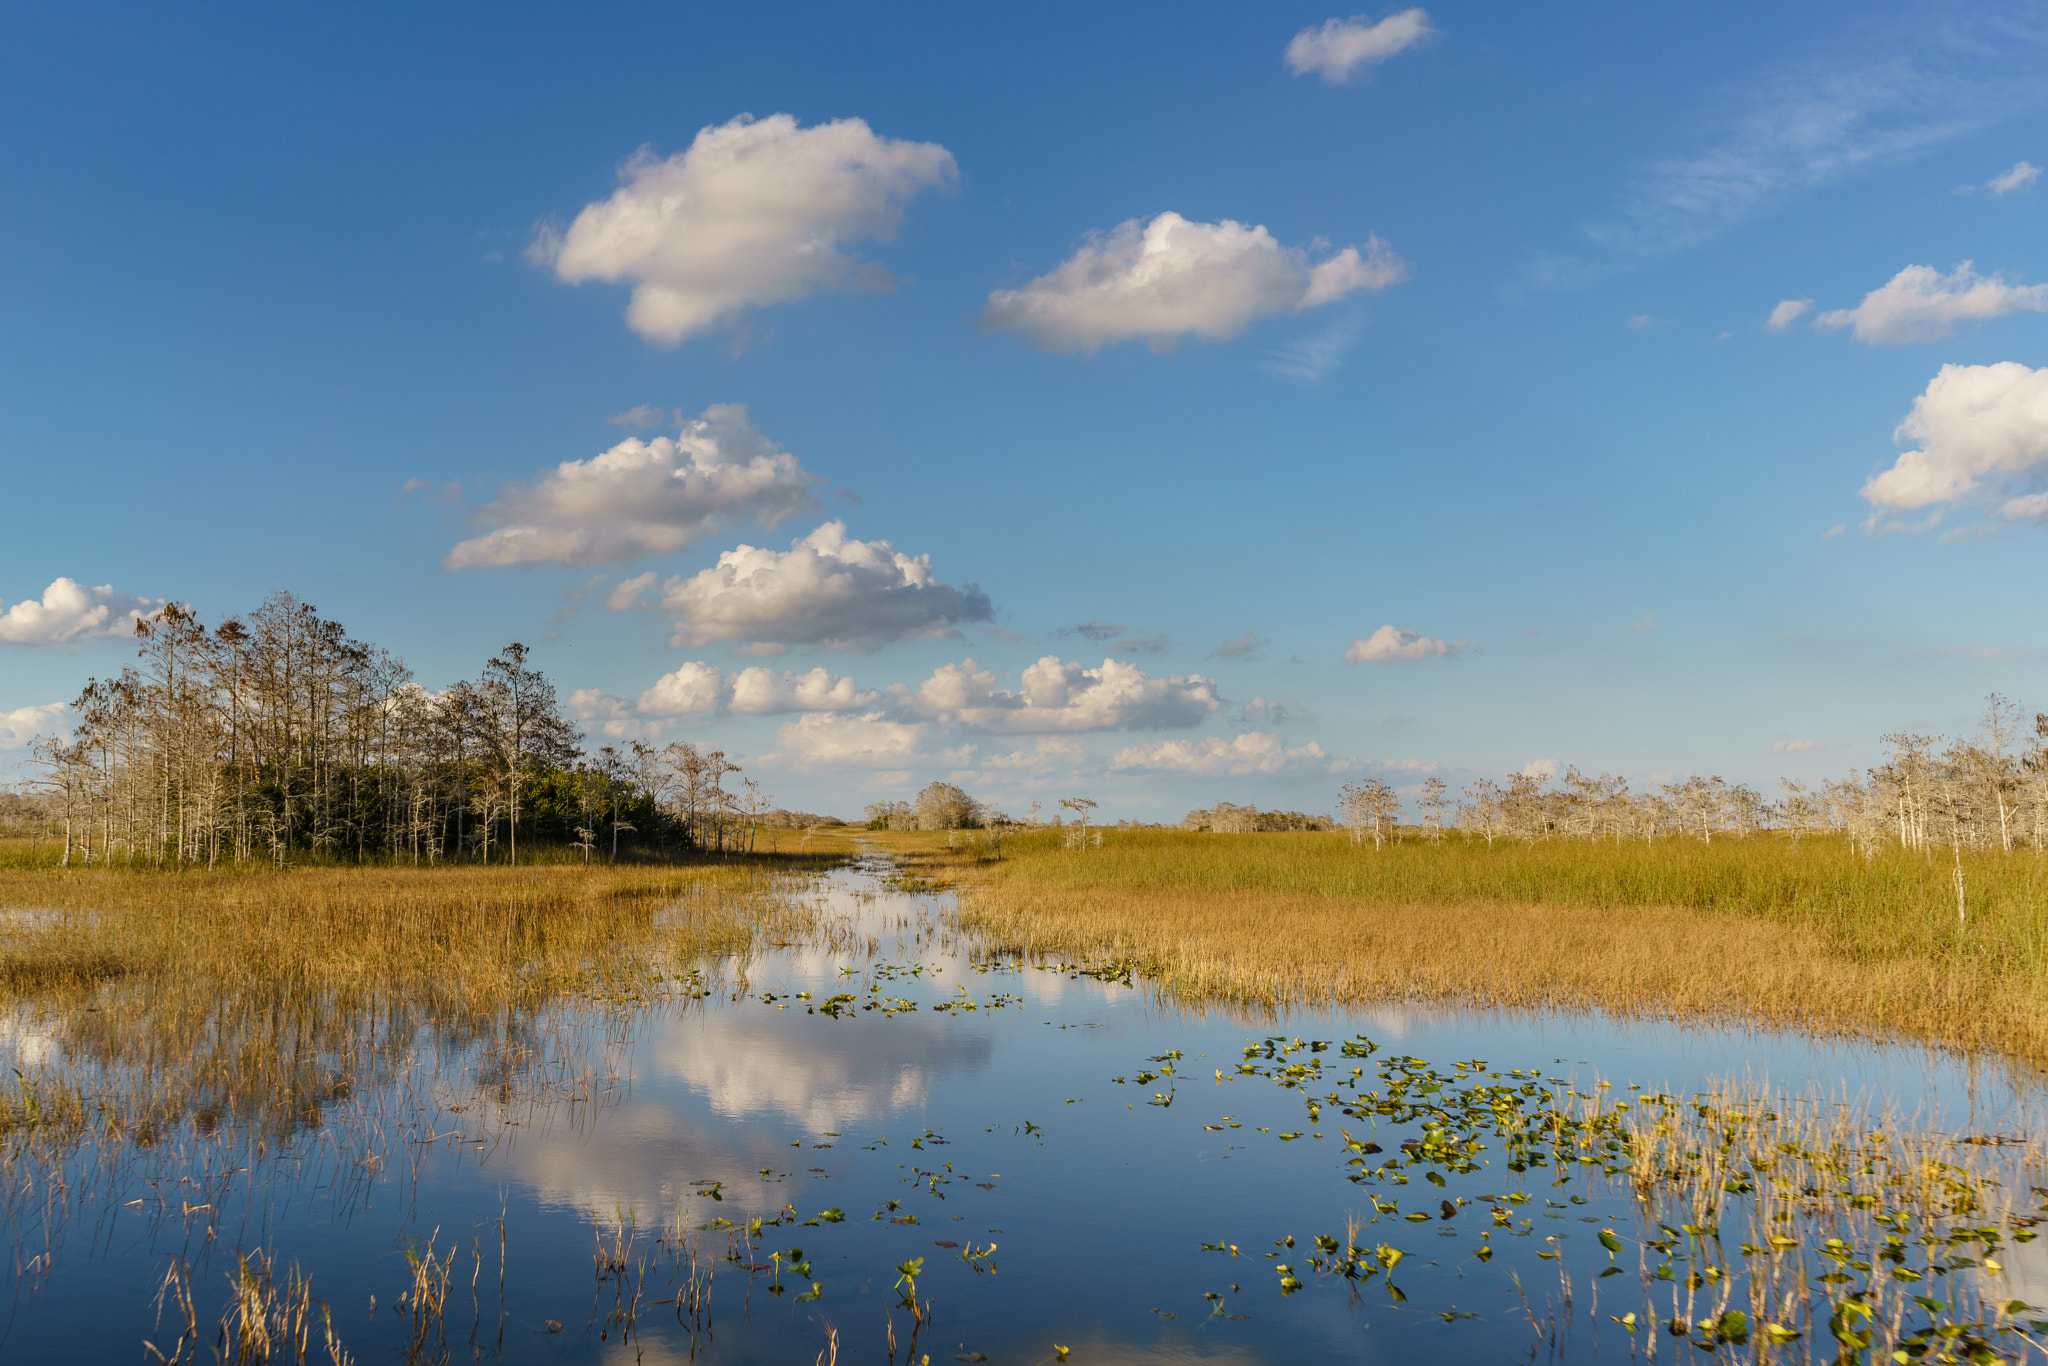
(879, 1145)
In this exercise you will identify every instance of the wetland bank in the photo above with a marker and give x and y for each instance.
(811, 1107)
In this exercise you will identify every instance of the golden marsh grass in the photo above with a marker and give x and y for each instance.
(1805, 935)
(258, 1000)
(197, 1018)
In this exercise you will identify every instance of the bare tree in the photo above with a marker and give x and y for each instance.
(755, 805)
(1433, 804)
(615, 771)
(890, 816)
(721, 802)
(1080, 806)
(1480, 812)
(1370, 809)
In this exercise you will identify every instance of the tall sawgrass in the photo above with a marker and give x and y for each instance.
(257, 1002)
(1802, 933)
(31, 853)
(1897, 901)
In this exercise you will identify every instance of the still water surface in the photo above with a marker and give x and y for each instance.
(964, 1114)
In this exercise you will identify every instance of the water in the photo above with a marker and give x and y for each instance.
(1052, 1205)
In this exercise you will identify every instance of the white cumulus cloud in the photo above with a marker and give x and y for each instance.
(684, 691)
(1253, 752)
(839, 738)
(754, 212)
(1058, 696)
(1336, 48)
(1391, 643)
(696, 688)
(1983, 438)
(24, 724)
(614, 717)
(828, 590)
(642, 497)
(71, 613)
(1796, 746)
(1787, 312)
(1921, 304)
(759, 691)
(1172, 278)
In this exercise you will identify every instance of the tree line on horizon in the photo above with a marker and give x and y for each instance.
(277, 734)
(1986, 792)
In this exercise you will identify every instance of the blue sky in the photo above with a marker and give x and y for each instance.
(262, 269)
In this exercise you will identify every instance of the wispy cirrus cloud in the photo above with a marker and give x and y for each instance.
(1788, 312)
(2021, 176)
(1044, 752)
(1246, 646)
(1315, 357)
(1337, 49)
(1268, 711)
(1812, 123)
(1128, 642)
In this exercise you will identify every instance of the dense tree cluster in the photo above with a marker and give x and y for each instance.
(1225, 818)
(278, 733)
(781, 819)
(940, 806)
(1527, 807)
(22, 811)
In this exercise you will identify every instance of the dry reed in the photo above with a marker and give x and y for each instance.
(1819, 1229)
(166, 1025)
(1762, 931)
(257, 1000)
